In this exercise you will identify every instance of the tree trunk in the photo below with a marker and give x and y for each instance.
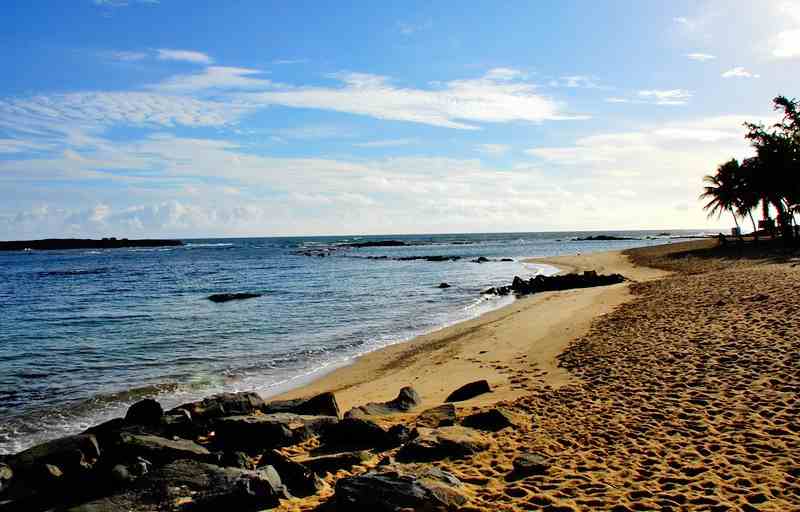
(755, 229)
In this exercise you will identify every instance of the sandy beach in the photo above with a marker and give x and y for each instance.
(676, 390)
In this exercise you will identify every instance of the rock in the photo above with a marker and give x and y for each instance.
(506, 259)
(324, 404)
(178, 422)
(441, 416)
(377, 243)
(430, 489)
(144, 412)
(298, 478)
(360, 433)
(406, 400)
(225, 297)
(491, 420)
(258, 432)
(542, 283)
(481, 259)
(443, 285)
(531, 464)
(236, 460)
(6, 474)
(203, 487)
(121, 475)
(160, 450)
(323, 464)
(69, 454)
(223, 404)
(468, 391)
(453, 442)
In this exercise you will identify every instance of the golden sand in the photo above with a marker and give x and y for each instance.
(678, 390)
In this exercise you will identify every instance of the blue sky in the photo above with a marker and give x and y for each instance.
(176, 118)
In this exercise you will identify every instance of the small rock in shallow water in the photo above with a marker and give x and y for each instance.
(443, 285)
(225, 297)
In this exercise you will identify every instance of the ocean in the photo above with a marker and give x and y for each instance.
(85, 333)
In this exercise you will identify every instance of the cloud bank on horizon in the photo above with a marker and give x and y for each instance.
(262, 120)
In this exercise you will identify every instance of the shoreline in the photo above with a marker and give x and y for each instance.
(530, 331)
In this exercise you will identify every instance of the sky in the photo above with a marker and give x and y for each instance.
(186, 119)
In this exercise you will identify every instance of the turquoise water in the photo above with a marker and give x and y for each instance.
(84, 333)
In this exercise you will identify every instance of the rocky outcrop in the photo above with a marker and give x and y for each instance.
(376, 243)
(468, 391)
(453, 442)
(331, 463)
(324, 404)
(223, 404)
(406, 400)
(159, 450)
(392, 490)
(441, 416)
(356, 433)
(542, 283)
(226, 297)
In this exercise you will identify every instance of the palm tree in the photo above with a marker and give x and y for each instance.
(722, 191)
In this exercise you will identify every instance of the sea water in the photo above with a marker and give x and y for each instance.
(85, 333)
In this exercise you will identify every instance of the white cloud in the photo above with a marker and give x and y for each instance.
(739, 72)
(666, 97)
(214, 77)
(617, 100)
(283, 62)
(124, 56)
(504, 74)
(9, 146)
(408, 29)
(184, 55)
(786, 44)
(700, 57)
(455, 104)
(493, 149)
(317, 131)
(386, 143)
(576, 81)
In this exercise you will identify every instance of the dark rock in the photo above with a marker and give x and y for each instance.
(223, 404)
(225, 297)
(468, 391)
(443, 285)
(324, 404)
(542, 283)
(602, 238)
(145, 412)
(69, 454)
(406, 400)
(507, 259)
(445, 442)
(491, 420)
(236, 460)
(376, 243)
(360, 433)
(258, 432)
(481, 259)
(531, 464)
(441, 416)
(60, 244)
(6, 474)
(429, 489)
(332, 463)
(178, 422)
(298, 478)
(160, 450)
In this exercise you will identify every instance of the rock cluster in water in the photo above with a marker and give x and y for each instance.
(542, 283)
(224, 452)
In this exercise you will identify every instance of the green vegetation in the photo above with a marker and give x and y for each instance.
(771, 178)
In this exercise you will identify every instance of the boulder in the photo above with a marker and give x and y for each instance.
(144, 412)
(441, 416)
(199, 487)
(480, 259)
(406, 400)
(388, 490)
(453, 442)
(468, 391)
(258, 432)
(332, 463)
(298, 478)
(492, 420)
(224, 404)
(225, 297)
(324, 404)
(443, 285)
(531, 464)
(70, 454)
(159, 450)
(361, 433)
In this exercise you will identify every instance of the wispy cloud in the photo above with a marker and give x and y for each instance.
(456, 104)
(493, 149)
(408, 29)
(666, 96)
(122, 3)
(700, 57)
(184, 55)
(739, 72)
(124, 56)
(386, 143)
(214, 77)
(284, 62)
(576, 81)
(316, 131)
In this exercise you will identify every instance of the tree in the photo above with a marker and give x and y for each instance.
(722, 191)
